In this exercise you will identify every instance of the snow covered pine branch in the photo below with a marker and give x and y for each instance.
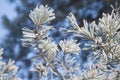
(8, 70)
(58, 61)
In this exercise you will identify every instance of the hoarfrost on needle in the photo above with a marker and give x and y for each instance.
(42, 14)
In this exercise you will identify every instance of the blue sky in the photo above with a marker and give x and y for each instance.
(7, 9)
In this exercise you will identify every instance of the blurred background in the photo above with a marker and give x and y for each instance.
(14, 16)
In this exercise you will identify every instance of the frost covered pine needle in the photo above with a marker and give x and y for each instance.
(42, 14)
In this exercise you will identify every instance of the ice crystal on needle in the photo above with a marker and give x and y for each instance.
(42, 14)
(69, 46)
